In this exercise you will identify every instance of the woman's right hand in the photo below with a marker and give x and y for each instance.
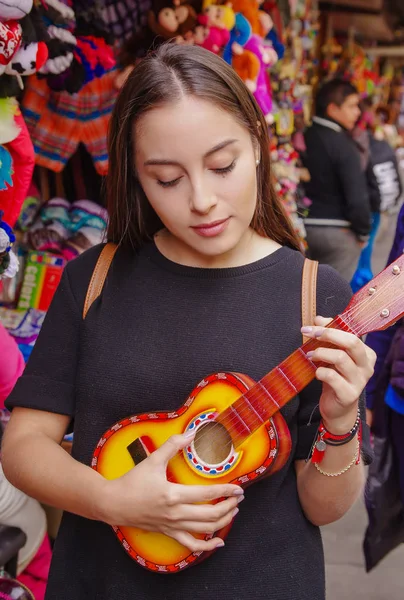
(144, 498)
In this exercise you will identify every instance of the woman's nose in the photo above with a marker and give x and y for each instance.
(202, 199)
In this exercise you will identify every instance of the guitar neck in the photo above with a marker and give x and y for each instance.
(376, 306)
(273, 391)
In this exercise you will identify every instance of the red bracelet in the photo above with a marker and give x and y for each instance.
(324, 438)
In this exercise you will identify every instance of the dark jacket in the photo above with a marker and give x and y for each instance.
(388, 344)
(383, 164)
(337, 188)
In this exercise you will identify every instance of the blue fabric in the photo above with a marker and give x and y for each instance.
(394, 400)
(363, 273)
(6, 169)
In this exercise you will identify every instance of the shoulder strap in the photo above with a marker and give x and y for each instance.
(309, 293)
(99, 275)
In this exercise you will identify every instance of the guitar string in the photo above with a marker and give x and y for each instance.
(306, 370)
(378, 297)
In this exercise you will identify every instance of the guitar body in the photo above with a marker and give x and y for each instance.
(210, 459)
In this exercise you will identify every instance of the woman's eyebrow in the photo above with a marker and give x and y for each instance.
(162, 161)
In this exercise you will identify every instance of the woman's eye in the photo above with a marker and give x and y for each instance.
(167, 184)
(225, 170)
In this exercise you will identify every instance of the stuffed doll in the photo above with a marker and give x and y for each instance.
(217, 21)
(10, 41)
(240, 34)
(267, 57)
(166, 20)
(245, 63)
(11, 11)
(172, 21)
(8, 261)
(32, 51)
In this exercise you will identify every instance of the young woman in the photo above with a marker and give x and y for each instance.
(207, 278)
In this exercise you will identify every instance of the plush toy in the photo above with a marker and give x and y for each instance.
(171, 21)
(267, 57)
(10, 41)
(23, 49)
(166, 20)
(240, 34)
(8, 261)
(216, 22)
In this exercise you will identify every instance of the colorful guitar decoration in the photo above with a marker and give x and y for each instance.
(240, 434)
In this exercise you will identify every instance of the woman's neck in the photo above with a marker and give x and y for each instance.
(251, 247)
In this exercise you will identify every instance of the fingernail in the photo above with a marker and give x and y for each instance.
(306, 329)
(220, 544)
(309, 354)
(190, 433)
(238, 492)
(240, 499)
(236, 511)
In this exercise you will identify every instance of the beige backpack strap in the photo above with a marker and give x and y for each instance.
(99, 275)
(309, 293)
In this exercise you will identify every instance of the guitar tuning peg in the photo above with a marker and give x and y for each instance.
(385, 313)
(396, 270)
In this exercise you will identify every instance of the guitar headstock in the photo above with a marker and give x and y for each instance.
(380, 303)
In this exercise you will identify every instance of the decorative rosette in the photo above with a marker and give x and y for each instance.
(8, 260)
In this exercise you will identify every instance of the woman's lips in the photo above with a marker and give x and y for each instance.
(211, 229)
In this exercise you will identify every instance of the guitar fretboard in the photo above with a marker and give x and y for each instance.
(273, 391)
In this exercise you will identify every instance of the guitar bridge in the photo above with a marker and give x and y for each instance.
(138, 451)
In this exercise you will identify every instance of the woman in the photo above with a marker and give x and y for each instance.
(207, 278)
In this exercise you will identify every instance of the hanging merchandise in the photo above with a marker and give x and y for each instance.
(8, 261)
(22, 52)
(58, 121)
(122, 18)
(23, 49)
(21, 160)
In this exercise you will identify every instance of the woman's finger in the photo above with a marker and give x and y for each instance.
(345, 392)
(339, 359)
(189, 494)
(322, 321)
(207, 526)
(347, 341)
(195, 545)
(203, 512)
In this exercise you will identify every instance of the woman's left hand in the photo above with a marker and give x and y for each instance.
(347, 369)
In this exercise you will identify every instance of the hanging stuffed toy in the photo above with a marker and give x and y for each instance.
(240, 34)
(166, 20)
(215, 25)
(32, 52)
(267, 58)
(8, 261)
(10, 41)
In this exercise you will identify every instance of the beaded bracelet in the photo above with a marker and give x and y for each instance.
(351, 464)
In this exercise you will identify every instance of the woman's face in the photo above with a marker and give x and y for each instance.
(197, 167)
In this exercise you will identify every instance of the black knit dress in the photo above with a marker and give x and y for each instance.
(155, 332)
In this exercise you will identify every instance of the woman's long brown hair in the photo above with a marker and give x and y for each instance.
(165, 76)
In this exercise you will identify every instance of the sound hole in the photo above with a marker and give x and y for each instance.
(212, 443)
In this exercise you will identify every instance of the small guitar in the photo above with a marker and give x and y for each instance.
(240, 434)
